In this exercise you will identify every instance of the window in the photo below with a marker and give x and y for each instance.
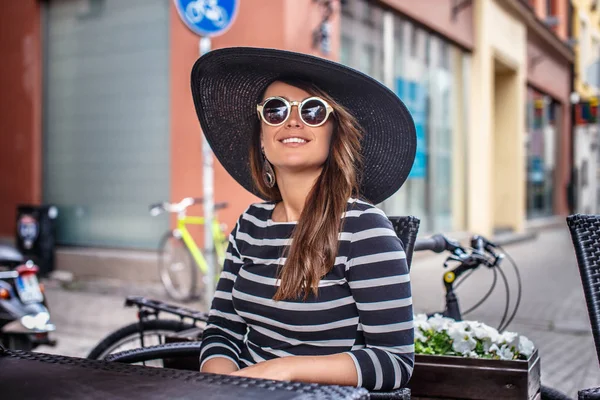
(106, 125)
(550, 8)
(569, 20)
(346, 51)
(541, 152)
(583, 48)
(427, 75)
(367, 59)
(361, 42)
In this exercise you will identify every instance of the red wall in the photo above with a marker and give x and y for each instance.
(20, 109)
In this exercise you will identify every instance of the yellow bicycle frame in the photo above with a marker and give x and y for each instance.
(219, 242)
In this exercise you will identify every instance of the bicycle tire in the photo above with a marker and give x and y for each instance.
(150, 327)
(169, 350)
(189, 292)
(548, 393)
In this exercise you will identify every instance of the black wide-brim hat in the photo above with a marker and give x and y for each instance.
(228, 83)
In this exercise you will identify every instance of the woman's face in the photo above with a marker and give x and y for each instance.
(311, 151)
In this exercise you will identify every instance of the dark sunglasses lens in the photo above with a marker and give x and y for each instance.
(275, 111)
(314, 112)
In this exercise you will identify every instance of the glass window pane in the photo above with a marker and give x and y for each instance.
(543, 125)
(106, 133)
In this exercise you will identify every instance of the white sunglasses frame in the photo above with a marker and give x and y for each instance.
(290, 104)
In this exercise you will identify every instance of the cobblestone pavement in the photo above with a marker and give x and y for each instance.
(552, 311)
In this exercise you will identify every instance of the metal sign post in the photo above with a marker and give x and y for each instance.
(207, 18)
(209, 203)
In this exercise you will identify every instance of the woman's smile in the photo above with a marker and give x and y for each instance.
(294, 141)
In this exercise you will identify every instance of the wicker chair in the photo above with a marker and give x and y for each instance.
(406, 228)
(585, 233)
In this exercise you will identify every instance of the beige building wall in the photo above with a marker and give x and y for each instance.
(586, 31)
(460, 131)
(496, 161)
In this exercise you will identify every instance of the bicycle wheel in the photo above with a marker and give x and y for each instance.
(128, 337)
(176, 267)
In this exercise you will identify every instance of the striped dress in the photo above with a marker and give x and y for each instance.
(363, 307)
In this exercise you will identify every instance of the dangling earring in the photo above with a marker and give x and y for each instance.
(267, 173)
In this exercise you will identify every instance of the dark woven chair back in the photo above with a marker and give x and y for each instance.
(585, 233)
(407, 229)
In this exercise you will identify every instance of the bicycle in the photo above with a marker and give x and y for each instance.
(150, 329)
(180, 260)
(482, 252)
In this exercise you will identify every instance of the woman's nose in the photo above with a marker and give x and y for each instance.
(294, 120)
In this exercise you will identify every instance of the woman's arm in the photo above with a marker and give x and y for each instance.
(223, 337)
(378, 276)
(335, 369)
(219, 365)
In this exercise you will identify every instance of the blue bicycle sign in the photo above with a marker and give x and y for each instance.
(207, 17)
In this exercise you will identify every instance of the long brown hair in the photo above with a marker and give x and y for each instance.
(315, 237)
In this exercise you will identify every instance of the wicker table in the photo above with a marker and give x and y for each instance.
(41, 376)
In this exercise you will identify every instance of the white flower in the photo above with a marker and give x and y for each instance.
(420, 322)
(505, 353)
(462, 339)
(464, 345)
(526, 346)
(459, 328)
(511, 339)
(485, 333)
(467, 335)
(439, 323)
(419, 336)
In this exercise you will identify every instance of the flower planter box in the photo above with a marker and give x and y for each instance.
(449, 377)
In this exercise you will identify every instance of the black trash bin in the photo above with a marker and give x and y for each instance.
(36, 234)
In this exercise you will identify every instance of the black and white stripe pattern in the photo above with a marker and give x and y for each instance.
(364, 305)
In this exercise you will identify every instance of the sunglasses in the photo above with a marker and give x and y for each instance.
(313, 111)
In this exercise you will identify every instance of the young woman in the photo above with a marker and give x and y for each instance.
(315, 287)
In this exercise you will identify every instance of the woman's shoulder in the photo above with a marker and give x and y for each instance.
(255, 215)
(357, 208)
(261, 209)
(361, 215)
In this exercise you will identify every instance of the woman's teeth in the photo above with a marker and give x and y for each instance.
(293, 140)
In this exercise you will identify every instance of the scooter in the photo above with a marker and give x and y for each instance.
(24, 315)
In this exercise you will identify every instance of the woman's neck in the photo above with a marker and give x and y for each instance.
(294, 188)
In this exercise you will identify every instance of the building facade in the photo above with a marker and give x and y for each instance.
(550, 61)
(429, 71)
(585, 25)
(97, 115)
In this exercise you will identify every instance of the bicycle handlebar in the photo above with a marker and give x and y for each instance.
(482, 252)
(159, 208)
(436, 243)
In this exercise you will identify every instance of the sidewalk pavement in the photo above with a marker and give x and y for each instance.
(552, 312)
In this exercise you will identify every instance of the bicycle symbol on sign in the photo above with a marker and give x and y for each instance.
(198, 9)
